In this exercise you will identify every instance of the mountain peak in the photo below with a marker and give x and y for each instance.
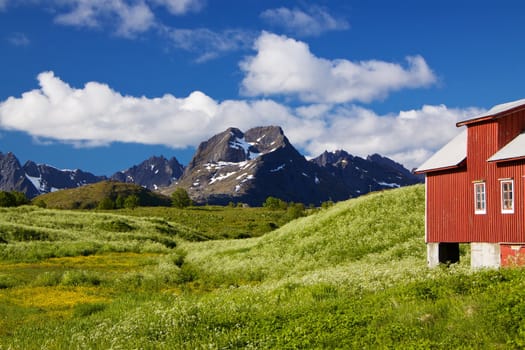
(153, 173)
(248, 167)
(234, 146)
(335, 157)
(13, 176)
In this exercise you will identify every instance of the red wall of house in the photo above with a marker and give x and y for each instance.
(510, 126)
(446, 199)
(450, 194)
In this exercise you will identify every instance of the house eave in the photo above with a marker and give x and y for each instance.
(486, 117)
(434, 170)
(510, 159)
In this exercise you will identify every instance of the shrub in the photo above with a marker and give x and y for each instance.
(295, 210)
(327, 204)
(131, 202)
(274, 203)
(106, 204)
(119, 202)
(180, 198)
(7, 199)
(20, 198)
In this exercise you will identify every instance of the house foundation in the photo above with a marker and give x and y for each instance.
(485, 255)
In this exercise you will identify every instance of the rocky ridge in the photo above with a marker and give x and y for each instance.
(153, 173)
(248, 167)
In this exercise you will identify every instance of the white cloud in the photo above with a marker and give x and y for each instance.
(180, 7)
(409, 137)
(208, 44)
(131, 18)
(97, 115)
(284, 66)
(136, 18)
(128, 19)
(19, 39)
(313, 22)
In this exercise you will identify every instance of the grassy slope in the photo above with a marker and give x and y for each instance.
(369, 230)
(216, 222)
(33, 234)
(352, 276)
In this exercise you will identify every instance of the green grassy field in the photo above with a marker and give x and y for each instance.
(350, 276)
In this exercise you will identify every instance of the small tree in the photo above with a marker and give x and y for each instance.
(119, 202)
(20, 198)
(180, 198)
(131, 202)
(106, 204)
(327, 204)
(7, 199)
(295, 210)
(274, 203)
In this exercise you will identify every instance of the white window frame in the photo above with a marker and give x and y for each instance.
(480, 198)
(507, 204)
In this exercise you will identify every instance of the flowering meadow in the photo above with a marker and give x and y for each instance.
(349, 276)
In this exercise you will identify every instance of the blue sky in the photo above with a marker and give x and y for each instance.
(101, 85)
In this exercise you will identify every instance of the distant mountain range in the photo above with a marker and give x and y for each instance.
(232, 166)
(35, 179)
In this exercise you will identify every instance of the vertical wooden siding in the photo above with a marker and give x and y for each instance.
(450, 195)
(446, 197)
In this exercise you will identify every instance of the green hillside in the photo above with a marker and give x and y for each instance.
(90, 196)
(367, 231)
(351, 276)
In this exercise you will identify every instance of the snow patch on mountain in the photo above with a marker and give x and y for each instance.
(386, 184)
(241, 143)
(221, 177)
(247, 177)
(219, 165)
(36, 181)
(280, 167)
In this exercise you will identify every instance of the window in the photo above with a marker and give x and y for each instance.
(480, 203)
(507, 196)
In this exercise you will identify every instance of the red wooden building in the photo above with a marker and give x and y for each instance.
(475, 191)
